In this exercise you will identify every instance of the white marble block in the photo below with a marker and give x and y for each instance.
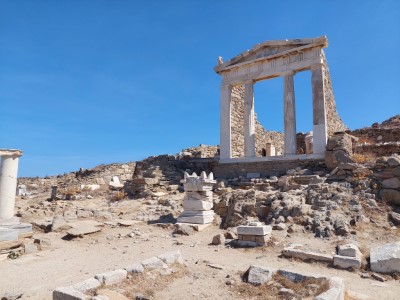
(197, 205)
(254, 230)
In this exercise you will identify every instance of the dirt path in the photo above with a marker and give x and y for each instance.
(67, 262)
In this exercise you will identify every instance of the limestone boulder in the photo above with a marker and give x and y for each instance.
(393, 161)
(390, 196)
(385, 258)
(258, 275)
(391, 183)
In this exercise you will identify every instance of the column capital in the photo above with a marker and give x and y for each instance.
(289, 73)
(249, 81)
(11, 152)
(317, 66)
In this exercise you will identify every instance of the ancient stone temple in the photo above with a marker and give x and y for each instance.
(281, 58)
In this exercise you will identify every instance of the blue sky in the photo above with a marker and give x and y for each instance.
(89, 82)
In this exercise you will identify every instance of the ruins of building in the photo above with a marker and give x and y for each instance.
(247, 142)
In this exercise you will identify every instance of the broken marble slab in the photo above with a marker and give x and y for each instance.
(84, 227)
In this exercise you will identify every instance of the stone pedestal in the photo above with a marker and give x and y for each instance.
(270, 150)
(10, 227)
(198, 201)
(254, 234)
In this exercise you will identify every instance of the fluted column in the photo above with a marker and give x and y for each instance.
(319, 109)
(289, 114)
(8, 182)
(225, 122)
(249, 122)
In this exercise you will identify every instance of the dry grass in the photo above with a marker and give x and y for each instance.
(71, 190)
(117, 196)
(270, 290)
(364, 158)
(148, 283)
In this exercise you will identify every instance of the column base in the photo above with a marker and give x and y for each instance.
(11, 221)
(12, 232)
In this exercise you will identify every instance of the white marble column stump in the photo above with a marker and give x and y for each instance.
(319, 110)
(289, 114)
(249, 121)
(8, 181)
(10, 227)
(225, 122)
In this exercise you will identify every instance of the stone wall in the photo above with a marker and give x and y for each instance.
(334, 122)
(265, 168)
(262, 136)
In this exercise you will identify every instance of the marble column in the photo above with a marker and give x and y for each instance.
(319, 110)
(8, 182)
(225, 122)
(249, 121)
(289, 114)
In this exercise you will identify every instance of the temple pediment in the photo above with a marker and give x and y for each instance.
(271, 49)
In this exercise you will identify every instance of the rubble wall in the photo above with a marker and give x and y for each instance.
(334, 122)
(376, 135)
(262, 136)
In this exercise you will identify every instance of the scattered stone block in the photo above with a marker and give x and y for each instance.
(258, 275)
(346, 262)
(112, 277)
(172, 257)
(82, 230)
(12, 296)
(136, 268)
(292, 251)
(30, 248)
(59, 223)
(153, 263)
(349, 250)
(218, 239)
(87, 285)
(68, 293)
(335, 292)
(385, 258)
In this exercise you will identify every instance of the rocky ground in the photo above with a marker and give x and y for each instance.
(104, 226)
(102, 219)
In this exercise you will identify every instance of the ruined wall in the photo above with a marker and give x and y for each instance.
(334, 122)
(262, 136)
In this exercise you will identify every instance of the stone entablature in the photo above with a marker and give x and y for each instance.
(272, 59)
(268, 60)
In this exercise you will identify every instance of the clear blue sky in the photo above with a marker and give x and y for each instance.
(95, 81)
